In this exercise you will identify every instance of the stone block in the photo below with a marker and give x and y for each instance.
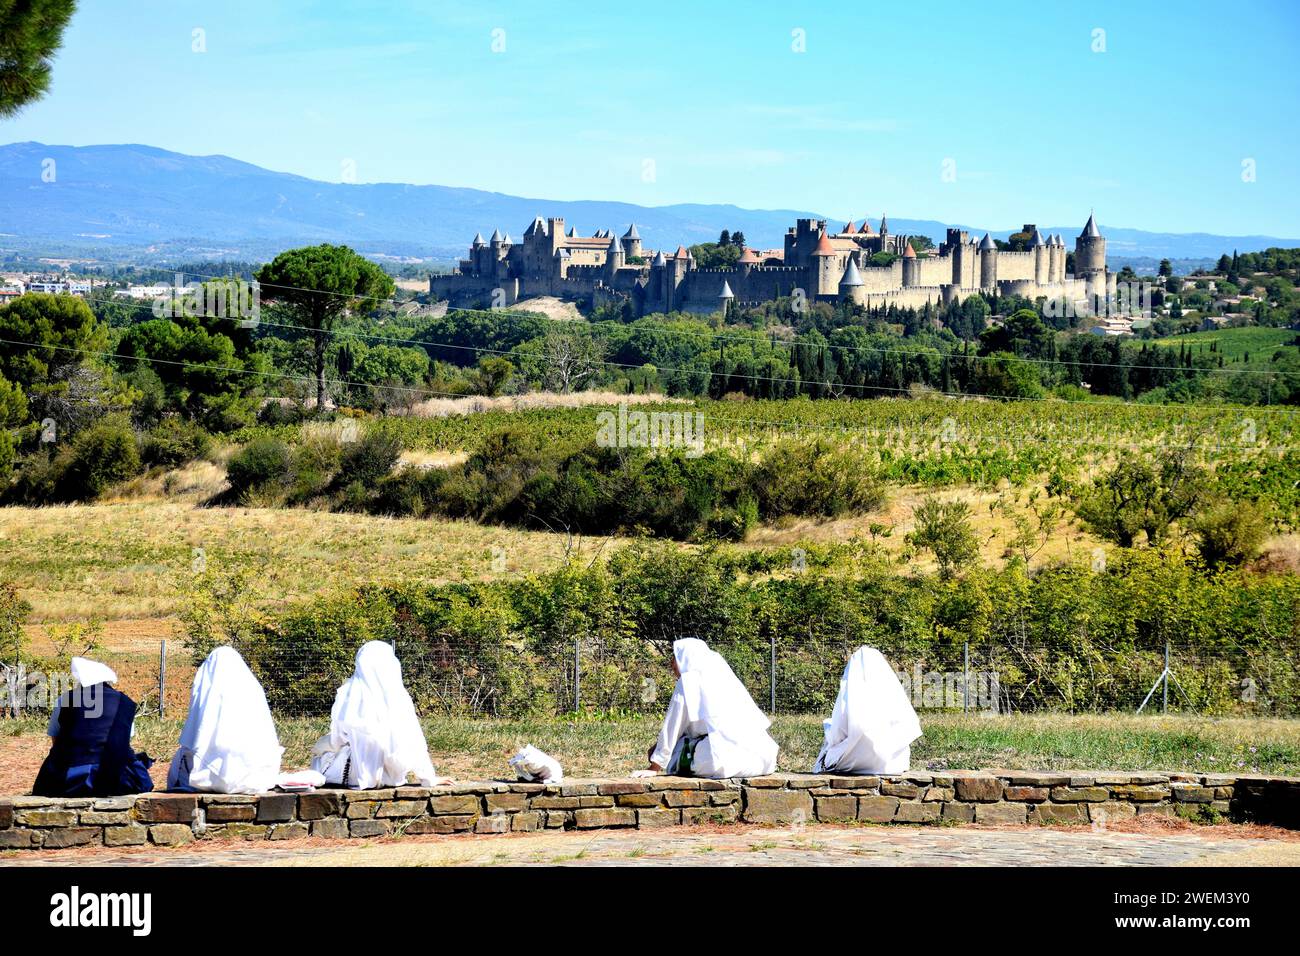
(556, 803)
(166, 808)
(19, 839)
(1030, 779)
(622, 786)
(707, 815)
(806, 781)
(231, 813)
(133, 834)
(405, 808)
(913, 812)
(589, 802)
(1141, 793)
(6, 816)
(529, 788)
(836, 809)
(998, 813)
(1051, 814)
(1026, 794)
(496, 823)
(978, 789)
(170, 834)
(73, 836)
(765, 805)
(591, 819)
(854, 783)
(675, 783)
(722, 798)
(900, 788)
(526, 821)
(693, 798)
(939, 794)
(1083, 780)
(290, 831)
(877, 809)
(360, 809)
(369, 828)
(47, 818)
(446, 823)
(1190, 793)
(457, 805)
(318, 805)
(1110, 812)
(276, 807)
(1080, 794)
(332, 828)
(658, 817)
(653, 798)
(242, 831)
(113, 804)
(557, 819)
(507, 802)
(959, 812)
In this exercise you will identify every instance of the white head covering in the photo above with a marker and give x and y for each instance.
(714, 696)
(373, 715)
(229, 743)
(87, 673)
(873, 723)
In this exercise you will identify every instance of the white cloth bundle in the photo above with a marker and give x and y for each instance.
(228, 744)
(710, 703)
(535, 766)
(375, 739)
(873, 724)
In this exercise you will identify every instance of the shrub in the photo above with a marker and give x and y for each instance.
(262, 461)
(1230, 533)
(369, 458)
(174, 442)
(100, 456)
(943, 527)
(815, 479)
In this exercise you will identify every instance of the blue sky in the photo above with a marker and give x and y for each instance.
(1037, 126)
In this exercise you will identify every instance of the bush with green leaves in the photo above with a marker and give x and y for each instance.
(943, 528)
(100, 456)
(262, 462)
(173, 442)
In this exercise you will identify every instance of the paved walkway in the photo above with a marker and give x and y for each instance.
(726, 846)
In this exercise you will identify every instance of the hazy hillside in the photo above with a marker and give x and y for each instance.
(164, 204)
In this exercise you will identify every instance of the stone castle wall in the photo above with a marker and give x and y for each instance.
(991, 796)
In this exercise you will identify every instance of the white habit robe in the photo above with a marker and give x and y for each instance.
(872, 726)
(375, 737)
(228, 744)
(710, 704)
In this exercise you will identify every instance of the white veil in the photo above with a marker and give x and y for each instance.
(228, 744)
(873, 723)
(374, 717)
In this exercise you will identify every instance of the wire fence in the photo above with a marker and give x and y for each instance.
(785, 677)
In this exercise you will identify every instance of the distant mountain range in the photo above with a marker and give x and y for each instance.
(156, 205)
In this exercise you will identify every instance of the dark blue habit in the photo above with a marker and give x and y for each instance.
(91, 755)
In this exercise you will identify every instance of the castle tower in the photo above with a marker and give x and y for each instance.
(554, 234)
(911, 268)
(824, 265)
(725, 297)
(678, 266)
(1089, 251)
(631, 242)
(988, 253)
(614, 257)
(852, 288)
(1038, 246)
(748, 259)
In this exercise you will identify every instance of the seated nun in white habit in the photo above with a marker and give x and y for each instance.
(712, 728)
(375, 738)
(872, 725)
(228, 744)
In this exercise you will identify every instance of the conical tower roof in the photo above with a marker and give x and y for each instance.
(631, 232)
(987, 244)
(852, 276)
(726, 292)
(909, 252)
(1090, 230)
(824, 247)
(478, 239)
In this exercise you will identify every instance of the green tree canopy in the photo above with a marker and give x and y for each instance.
(31, 32)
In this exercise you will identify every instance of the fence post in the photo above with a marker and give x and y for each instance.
(162, 676)
(1164, 701)
(577, 675)
(965, 677)
(771, 676)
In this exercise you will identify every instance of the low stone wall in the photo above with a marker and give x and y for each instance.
(991, 796)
